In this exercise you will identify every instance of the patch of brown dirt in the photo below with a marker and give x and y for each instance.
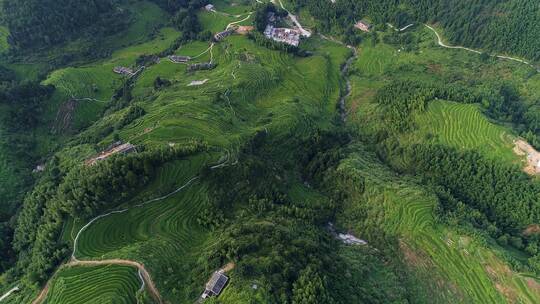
(230, 266)
(523, 148)
(353, 107)
(435, 68)
(412, 257)
(532, 229)
(508, 293)
(533, 284)
(426, 271)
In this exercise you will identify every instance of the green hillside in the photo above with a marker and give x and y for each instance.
(107, 284)
(263, 160)
(465, 127)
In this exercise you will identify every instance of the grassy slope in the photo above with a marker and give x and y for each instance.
(165, 235)
(451, 266)
(102, 284)
(455, 263)
(465, 127)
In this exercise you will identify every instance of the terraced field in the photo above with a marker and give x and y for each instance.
(373, 61)
(463, 126)
(458, 266)
(102, 284)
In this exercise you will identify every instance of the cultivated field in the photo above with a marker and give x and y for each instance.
(101, 284)
(464, 126)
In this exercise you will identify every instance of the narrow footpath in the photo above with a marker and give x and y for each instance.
(9, 292)
(442, 44)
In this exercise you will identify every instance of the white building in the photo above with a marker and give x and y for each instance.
(285, 35)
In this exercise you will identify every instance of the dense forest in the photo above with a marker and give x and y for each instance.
(284, 242)
(36, 23)
(509, 26)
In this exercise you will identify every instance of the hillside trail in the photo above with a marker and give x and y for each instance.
(442, 44)
(142, 270)
(8, 293)
(294, 19)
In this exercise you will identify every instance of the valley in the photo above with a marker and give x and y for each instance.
(242, 150)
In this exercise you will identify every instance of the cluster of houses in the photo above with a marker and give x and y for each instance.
(116, 148)
(284, 35)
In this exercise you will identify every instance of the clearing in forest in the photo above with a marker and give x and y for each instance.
(463, 126)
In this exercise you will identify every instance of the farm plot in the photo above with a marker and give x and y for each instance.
(457, 265)
(463, 126)
(102, 284)
(165, 235)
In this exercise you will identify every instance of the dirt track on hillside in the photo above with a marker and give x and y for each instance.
(523, 148)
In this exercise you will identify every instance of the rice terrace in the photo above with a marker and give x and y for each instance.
(256, 151)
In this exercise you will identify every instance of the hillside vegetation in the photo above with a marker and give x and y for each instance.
(261, 159)
(495, 26)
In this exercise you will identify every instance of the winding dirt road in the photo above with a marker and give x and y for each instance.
(142, 271)
(9, 292)
(294, 19)
(442, 44)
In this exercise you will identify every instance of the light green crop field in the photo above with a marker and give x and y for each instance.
(463, 126)
(4, 33)
(101, 284)
(233, 7)
(260, 89)
(460, 268)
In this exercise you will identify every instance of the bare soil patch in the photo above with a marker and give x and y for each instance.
(523, 148)
(532, 229)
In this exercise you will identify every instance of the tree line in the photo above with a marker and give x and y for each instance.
(496, 198)
(497, 26)
(34, 24)
(281, 241)
(80, 192)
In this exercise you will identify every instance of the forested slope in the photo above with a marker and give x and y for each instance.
(36, 23)
(262, 159)
(508, 26)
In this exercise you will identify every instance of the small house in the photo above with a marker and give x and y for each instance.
(201, 66)
(215, 285)
(209, 7)
(363, 26)
(222, 35)
(179, 59)
(123, 71)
